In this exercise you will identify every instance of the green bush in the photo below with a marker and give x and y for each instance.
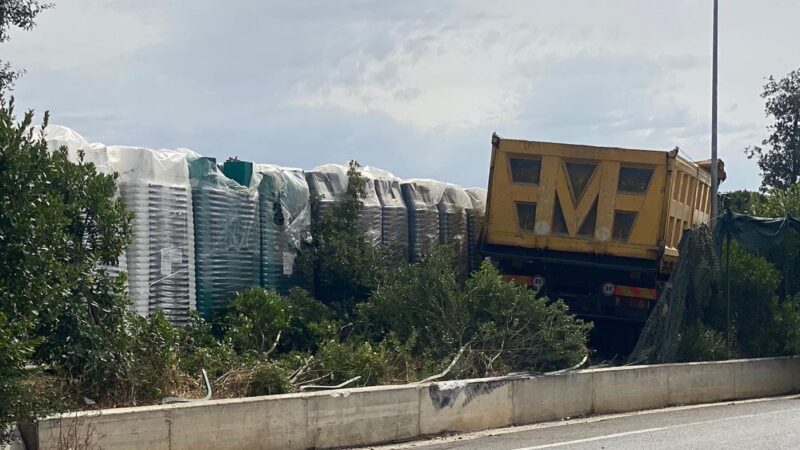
(337, 362)
(787, 326)
(503, 326)
(254, 319)
(268, 378)
(699, 343)
(310, 321)
(514, 330)
(256, 316)
(199, 349)
(419, 300)
(154, 371)
(753, 284)
(19, 399)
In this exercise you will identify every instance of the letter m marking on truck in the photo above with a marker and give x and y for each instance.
(577, 192)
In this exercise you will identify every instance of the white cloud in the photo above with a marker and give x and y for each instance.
(88, 37)
(431, 78)
(478, 67)
(416, 86)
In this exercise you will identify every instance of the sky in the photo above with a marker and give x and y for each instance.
(414, 87)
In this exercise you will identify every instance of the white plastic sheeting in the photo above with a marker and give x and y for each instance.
(154, 184)
(227, 235)
(475, 220)
(57, 136)
(285, 222)
(394, 213)
(422, 198)
(160, 259)
(329, 182)
(245, 235)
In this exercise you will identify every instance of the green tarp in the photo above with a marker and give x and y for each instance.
(755, 234)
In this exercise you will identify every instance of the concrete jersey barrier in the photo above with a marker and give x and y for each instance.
(380, 414)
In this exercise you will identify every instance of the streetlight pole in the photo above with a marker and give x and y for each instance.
(714, 160)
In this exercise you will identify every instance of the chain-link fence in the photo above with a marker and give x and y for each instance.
(730, 295)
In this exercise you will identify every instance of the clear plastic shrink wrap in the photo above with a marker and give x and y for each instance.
(329, 182)
(475, 219)
(394, 230)
(226, 235)
(285, 225)
(422, 198)
(160, 259)
(453, 208)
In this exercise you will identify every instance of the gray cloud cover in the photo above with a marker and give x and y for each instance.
(415, 87)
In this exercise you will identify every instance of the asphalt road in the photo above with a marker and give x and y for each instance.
(769, 423)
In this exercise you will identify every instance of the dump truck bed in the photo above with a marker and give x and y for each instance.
(583, 199)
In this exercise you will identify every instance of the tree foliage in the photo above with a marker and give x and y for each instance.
(503, 327)
(741, 201)
(60, 223)
(339, 266)
(778, 156)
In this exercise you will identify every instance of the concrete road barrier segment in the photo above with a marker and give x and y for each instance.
(363, 416)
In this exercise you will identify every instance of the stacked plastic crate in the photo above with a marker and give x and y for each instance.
(285, 222)
(475, 219)
(227, 236)
(453, 207)
(394, 213)
(422, 198)
(160, 259)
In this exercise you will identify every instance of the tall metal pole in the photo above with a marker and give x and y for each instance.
(714, 160)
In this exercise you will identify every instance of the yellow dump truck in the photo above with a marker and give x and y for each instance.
(596, 226)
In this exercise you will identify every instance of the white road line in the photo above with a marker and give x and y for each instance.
(475, 435)
(651, 430)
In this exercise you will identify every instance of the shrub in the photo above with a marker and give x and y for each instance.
(419, 300)
(19, 399)
(254, 319)
(514, 330)
(310, 321)
(337, 362)
(256, 316)
(268, 378)
(787, 326)
(502, 326)
(153, 371)
(699, 343)
(199, 349)
(753, 283)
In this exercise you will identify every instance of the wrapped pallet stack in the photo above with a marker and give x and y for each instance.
(329, 183)
(285, 222)
(226, 232)
(475, 218)
(422, 198)
(453, 208)
(160, 259)
(394, 214)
